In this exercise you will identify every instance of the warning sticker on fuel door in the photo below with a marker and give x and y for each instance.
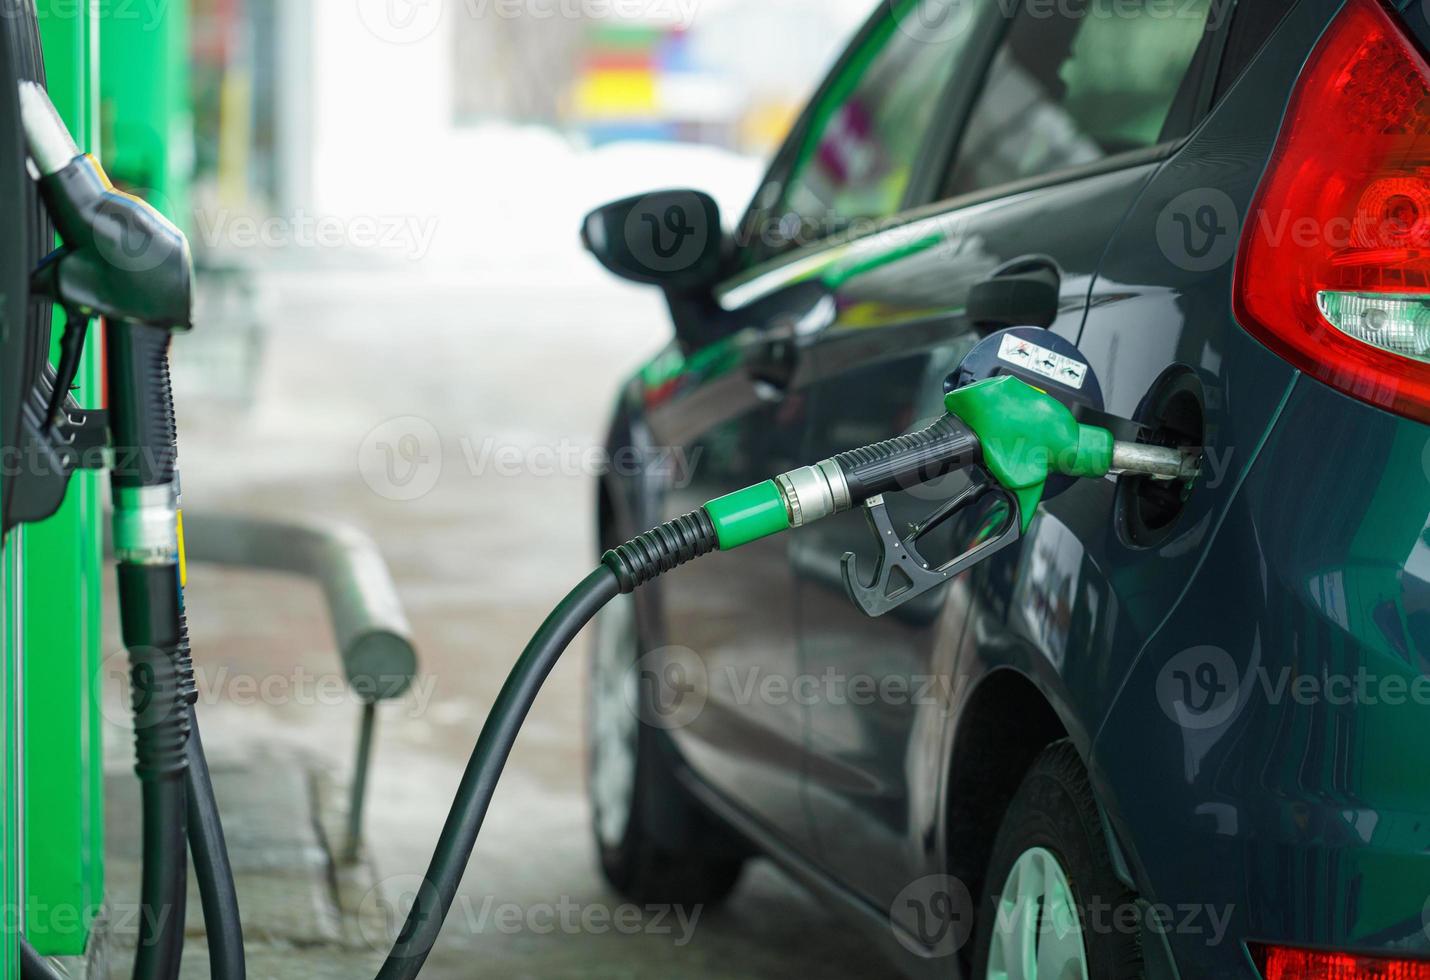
(1050, 364)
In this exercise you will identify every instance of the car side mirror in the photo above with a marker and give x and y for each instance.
(672, 239)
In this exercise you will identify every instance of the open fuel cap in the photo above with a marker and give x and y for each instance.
(1036, 356)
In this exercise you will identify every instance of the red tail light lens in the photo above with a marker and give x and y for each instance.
(1334, 268)
(1280, 963)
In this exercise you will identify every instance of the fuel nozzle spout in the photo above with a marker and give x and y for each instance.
(1158, 462)
(51, 145)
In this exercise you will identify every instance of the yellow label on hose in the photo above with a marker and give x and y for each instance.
(183, 562)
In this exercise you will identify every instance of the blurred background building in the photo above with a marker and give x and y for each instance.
(377, 94)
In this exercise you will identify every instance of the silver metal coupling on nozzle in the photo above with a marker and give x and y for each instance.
(1158, 462)
(814, 492)
(51, 145)
(146, 525)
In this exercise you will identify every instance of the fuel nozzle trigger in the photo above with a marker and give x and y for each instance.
(901, 573)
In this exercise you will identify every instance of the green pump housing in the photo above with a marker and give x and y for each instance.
(135, 115)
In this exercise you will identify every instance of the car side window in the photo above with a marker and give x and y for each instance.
(1072, 87)
(860, 147)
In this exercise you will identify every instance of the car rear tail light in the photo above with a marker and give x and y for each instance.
(1333, 271)
(1282, 963)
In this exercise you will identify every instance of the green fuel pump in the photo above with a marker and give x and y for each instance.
(1003, 427)
(120, 259)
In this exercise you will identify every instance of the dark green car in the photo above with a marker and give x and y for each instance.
(1176, 731)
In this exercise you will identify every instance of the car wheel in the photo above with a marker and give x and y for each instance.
(655, 846)
(1049, 866)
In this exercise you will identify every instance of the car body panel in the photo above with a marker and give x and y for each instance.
(1303, 546)
(879, 370)
(1296, 804)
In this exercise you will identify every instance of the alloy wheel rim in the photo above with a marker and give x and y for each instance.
(1037, 934)
(614, 726)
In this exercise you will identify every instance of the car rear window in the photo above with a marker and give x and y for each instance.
(1251, 25)
(1073, 84)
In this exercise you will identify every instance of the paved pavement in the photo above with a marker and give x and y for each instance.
(489, 391)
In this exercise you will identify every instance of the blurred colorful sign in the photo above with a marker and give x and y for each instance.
(642, 81)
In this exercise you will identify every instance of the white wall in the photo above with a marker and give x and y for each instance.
(382, 101)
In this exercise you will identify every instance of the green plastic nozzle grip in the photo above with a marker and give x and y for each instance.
(1027, 436)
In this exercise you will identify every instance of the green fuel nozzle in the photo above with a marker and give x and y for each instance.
(1020, 435)
(1008, 435)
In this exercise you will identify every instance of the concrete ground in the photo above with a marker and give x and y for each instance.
(475, 400)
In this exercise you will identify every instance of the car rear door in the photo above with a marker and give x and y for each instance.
(1074, 116)
(740, 410)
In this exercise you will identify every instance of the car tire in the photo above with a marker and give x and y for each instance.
(1050, 861)
(655, 845)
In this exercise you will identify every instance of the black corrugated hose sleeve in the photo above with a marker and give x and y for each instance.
(661, 550)
(141, 406)
(910, 460)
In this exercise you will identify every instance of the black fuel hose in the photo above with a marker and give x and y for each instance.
(144, 485)
(211, 867)
(479, 782)
(622, 571)
(33, 966)
(222, 927)
(147, 596)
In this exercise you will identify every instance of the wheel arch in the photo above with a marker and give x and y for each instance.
(1004, 726)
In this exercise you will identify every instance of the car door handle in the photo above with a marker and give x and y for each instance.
(1021, 293)
(774, 360)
